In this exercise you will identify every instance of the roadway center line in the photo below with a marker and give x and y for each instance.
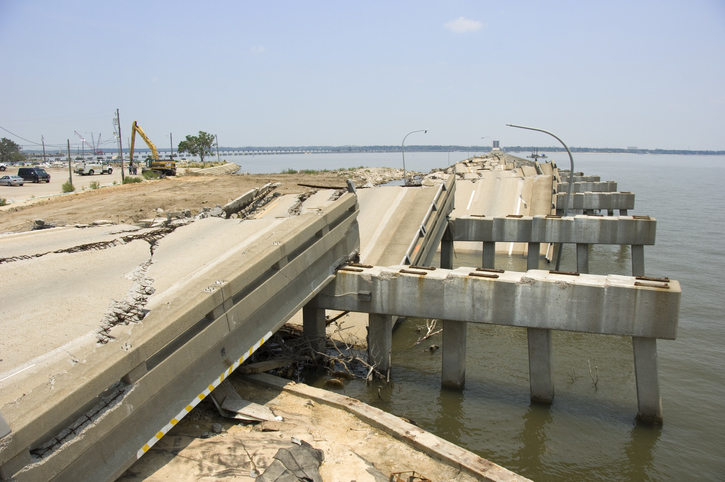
(19, 371)
(468, 208)
(259, 216)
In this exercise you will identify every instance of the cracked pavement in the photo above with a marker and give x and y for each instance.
(69, 291)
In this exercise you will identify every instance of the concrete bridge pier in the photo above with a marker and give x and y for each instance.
(453, 369)
(541, 378)
(314, 325)
(649, 401)
(380, 341)
(637, 259)
(541, 363)
(453, 373)
(582, 258)
(489, 254)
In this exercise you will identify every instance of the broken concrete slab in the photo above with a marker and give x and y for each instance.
(37, 335)
(350, 445)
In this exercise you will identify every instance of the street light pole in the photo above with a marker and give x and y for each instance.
(405, 175)
(569, 186)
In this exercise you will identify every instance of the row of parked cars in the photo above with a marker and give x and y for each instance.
(25, 174)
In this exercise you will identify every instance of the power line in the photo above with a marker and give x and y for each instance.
(23, 138)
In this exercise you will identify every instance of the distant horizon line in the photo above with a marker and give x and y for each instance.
(421, 148)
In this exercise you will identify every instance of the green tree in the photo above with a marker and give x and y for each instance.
(10, 151)
(198, 145)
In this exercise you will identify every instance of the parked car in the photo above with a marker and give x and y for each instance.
(3, 166)
(11, 181)
(34, 174)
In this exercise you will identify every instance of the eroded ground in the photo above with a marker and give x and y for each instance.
(129, 203)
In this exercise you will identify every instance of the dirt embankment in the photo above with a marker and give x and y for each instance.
(129, 203)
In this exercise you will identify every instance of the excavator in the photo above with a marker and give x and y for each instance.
(165, 168)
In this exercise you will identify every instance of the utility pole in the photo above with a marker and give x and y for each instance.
(42, 139)
(171, 143)
(217, 148)
(120, 144)
(70, 170)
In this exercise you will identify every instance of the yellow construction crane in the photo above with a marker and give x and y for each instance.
(165, 168)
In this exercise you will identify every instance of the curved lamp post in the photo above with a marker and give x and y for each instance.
(405, 176)
(569, 186)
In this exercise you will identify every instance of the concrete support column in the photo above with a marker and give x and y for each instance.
(313, 325)
(380, 341)
(454, 354)
(447, 250)
(541, 378)
(582, 258)
(637, 260)
(622, 212)
(532, 259)
(541, 366)
(649, 403)
(489, 255)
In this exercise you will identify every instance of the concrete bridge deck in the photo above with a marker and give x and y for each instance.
(82, 370)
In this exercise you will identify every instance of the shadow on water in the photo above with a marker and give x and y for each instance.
(533, 436)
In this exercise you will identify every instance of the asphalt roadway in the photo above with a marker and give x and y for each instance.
(58, 176)
(499, 192)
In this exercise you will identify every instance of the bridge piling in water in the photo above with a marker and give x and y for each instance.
(580, 302)
(583, 231)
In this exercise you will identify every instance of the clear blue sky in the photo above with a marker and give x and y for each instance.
(266, 73)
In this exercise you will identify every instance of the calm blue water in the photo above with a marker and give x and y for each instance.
(588, 433)
(414, 161)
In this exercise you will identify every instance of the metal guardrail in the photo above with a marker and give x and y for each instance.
(101, 415)
(426, 239)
